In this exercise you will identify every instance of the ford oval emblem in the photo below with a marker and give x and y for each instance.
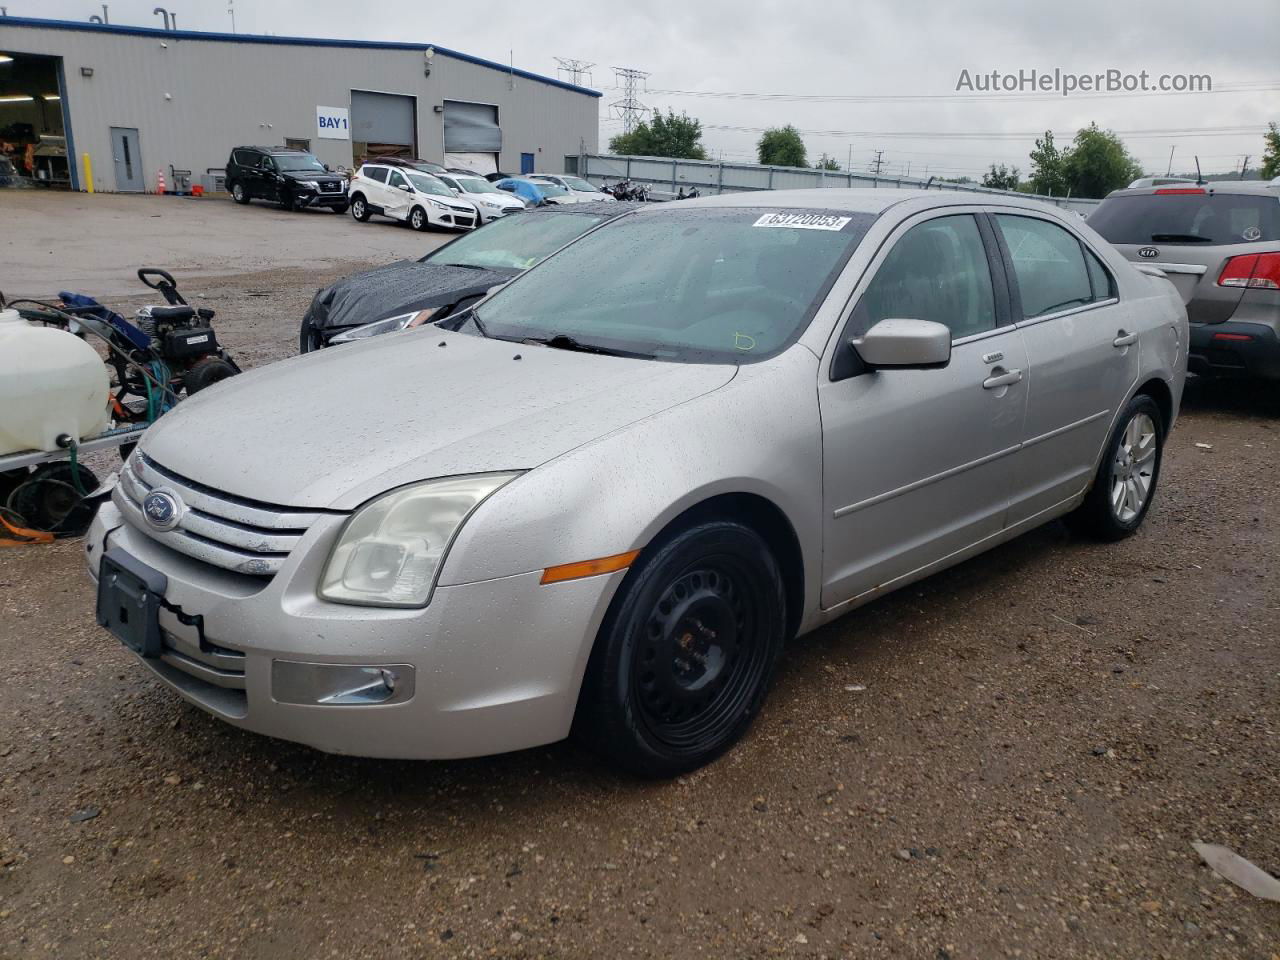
(1148, 253)
(163, 509)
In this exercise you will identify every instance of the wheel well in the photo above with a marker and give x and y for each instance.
(1158, 391)
(356, 196)
(766, 519)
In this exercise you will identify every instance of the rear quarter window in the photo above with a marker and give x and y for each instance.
(1189, 219)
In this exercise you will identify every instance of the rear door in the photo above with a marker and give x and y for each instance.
(1191, 233)
(917, 463)
(1083, 349)
(373, 181)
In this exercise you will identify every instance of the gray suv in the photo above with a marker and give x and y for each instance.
(1220, 245)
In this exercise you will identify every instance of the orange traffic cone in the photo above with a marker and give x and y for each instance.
(160, 182)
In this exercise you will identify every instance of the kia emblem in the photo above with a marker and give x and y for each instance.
(1148, 253)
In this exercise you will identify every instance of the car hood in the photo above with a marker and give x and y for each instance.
(332, 429)
(401, 287)
(311, 175)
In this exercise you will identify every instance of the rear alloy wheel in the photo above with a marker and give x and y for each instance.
(418, 218)
(1126, 481)
(238, 193)
(360, 209)
(684, 659)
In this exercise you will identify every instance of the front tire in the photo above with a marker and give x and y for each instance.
(1126, 482)
(340, 207)
(686, 654)
(359, 208)
(418, 219)
(238, 193)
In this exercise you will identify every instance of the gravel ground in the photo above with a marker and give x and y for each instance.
(1011, 759)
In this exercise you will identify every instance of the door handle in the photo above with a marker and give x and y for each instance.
(1124, 339)
(1002, 380)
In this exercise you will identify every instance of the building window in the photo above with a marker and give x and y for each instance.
(297, 143)
(571, 165)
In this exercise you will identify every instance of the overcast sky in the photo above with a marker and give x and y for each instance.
(876, 48)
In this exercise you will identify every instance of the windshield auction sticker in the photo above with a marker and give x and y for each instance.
(802, 221)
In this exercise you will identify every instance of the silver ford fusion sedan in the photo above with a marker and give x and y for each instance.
(604, 499)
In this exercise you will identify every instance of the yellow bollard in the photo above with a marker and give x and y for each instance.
(88, 174)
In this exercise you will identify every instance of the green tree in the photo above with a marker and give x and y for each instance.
(1271, 152)
(826, 163)
(1002, 177)
(1098, 163)
(1047, 162)
(781, 147)
(664, 136)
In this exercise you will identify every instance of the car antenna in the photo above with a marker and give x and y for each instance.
(1199, 178)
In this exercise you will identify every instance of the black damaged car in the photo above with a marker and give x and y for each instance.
(412, 292)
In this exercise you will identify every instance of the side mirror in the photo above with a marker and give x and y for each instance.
(917, 344)
(406, 188)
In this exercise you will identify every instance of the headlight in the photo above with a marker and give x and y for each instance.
(437, 203)
(389, 325)
(309, 184)
(390, 552)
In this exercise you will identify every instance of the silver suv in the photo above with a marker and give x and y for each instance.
(1220, 245)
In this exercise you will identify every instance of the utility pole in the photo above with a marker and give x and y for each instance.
(908, 168)
(877, 162)
(629, 108)
(1169, 171)
(576, 69)
(1244, 166)
(849, 163)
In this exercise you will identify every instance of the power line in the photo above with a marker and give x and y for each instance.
(629, 108)
(1247, 86)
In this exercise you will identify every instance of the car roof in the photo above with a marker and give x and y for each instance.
(1255, 187)
(859, 199)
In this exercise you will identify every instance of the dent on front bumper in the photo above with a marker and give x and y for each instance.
(497, 664)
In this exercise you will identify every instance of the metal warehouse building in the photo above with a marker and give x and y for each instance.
(141, 101)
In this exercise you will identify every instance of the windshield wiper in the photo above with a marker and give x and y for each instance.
(474, 317)
(562, 341)
(1178, 238)
(464, 266)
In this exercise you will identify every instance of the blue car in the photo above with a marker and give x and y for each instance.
(535, 194)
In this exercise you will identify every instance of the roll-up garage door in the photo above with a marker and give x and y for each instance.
(472, 137)
(383, 123)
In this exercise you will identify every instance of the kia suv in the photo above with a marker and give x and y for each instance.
(1220, 245)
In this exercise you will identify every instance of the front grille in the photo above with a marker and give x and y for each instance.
(331, 187)
(231, 532)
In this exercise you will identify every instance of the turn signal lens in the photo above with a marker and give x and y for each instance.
(589, 568)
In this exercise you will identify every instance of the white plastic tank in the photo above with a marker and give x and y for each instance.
(51, 383)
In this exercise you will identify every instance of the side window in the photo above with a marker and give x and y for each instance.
(936, 271)
(266, 163)
(376, 173)
(397, 179)
(1104, 288)
(1048, 263)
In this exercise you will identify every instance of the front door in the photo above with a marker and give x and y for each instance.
(526, 163)
(916, 463)
(1083, 347)
(127, 157)
(397, 197)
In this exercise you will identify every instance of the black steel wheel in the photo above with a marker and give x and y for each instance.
(686, 654)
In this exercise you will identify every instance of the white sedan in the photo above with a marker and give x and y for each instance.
(488, 199)
(579, 189)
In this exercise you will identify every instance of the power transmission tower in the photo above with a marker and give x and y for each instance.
(877, 163)
(629, 108)
(575, 69)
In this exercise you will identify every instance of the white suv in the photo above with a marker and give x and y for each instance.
(418, 199)
(489, 200)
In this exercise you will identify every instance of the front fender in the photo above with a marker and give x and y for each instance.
(759, 434)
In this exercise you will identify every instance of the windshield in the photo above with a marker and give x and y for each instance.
(298, 162)
(707, 285)
(577, 183)
(1188, 219)
(550, 189)
(514, 243)
(476, 185)
(424, 183)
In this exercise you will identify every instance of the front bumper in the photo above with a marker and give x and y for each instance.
(1234, 349)
(313, 199)
(496, 665)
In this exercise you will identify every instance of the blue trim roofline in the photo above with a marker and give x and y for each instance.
(286, 41)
